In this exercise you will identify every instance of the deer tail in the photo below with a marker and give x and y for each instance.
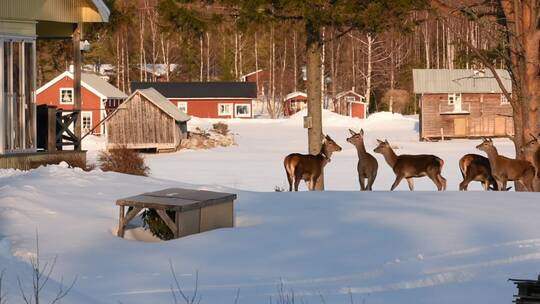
(441, 162)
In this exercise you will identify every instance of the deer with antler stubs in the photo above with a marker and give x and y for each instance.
(411, 166)
(367, 164)
(309, 167)
(505, 169)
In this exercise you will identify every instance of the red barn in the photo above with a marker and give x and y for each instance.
(351, 104)
(98, 98)
(207, 99)
(294, 102)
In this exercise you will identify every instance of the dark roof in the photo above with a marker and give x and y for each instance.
(200, 89)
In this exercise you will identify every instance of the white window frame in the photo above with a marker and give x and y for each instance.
(83, 114)
(453, 97)
(181, 104)
(504, 100)
(228, 113)
(72, 95)
(236, 106)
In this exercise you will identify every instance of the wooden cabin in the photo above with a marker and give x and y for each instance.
(99, 98)
(462, 104)
(350, 103)
(22, 22)
(294, 102)
(207, 99)
(146, 120)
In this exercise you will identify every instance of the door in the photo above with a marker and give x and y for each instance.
(460, 127)
(500, 126)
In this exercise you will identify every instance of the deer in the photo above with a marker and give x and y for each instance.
(533, 146)
(411, 166)
(476, 167)
(367, 164)
(505, 169)
(309, 167)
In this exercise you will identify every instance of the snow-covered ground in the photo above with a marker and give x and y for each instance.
(381, 247)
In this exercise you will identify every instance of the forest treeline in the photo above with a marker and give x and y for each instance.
(376, 65)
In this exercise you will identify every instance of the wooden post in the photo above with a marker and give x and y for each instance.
(314, 92)
(121, 224)
(77, 61)
(51, 129)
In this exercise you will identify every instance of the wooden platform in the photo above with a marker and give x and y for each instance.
(27, 161)
(195, 210)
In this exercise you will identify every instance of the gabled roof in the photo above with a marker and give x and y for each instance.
(91, 82)
(182, 90)
(345, 93)
(161, 102)
(295, 94)
(459, 81)
(243, 77)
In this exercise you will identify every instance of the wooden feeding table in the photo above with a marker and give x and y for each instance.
(528, 291)
(195, 211)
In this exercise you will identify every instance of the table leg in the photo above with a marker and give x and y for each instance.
(121, 224)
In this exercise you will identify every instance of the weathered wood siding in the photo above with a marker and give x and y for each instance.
(139, 124)
(487, 116)
(27, 161)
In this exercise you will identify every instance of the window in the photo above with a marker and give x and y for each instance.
(242, 110)
(454, 98)
(504, 100)
(224, 109)
(182, 106)
(350, 99)
(86, 122)
(66, 96)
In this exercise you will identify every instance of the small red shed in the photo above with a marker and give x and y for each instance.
(294, 102)
(207, 99)
(98, 98)
(351, 104)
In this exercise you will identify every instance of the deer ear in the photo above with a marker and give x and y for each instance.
(352, 132)
(362, 132)
(327, 137)
(379, 141)
(386, 141)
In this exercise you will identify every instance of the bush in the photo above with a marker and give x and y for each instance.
(156, 225)
(221, 128)
(123, 160)
(73, 161)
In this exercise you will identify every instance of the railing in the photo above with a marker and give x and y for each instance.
(455, 108)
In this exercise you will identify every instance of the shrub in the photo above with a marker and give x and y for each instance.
(73, 161)
(123, 160)
(156, 225)
(221, 128)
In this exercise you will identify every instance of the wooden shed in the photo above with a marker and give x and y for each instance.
(351, 104)
(294, 102)
(146, 120)
(462, 103)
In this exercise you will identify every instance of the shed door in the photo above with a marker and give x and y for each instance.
(460, 127)
(500, 126)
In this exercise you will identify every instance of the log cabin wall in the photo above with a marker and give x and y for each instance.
(482, 115)
(140, 124)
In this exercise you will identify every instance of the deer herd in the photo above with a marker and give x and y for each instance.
(493, 171)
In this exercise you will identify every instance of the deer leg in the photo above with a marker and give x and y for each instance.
(371, 180)
(290, 180)
(442, 180)
(411, 183)
(464, 185)
(435, 178)
(312, 183)
(485, 183)
(399, 177)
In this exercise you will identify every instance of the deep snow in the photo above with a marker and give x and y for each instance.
(382, 247)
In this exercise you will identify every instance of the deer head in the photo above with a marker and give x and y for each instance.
(329, 146)
(356, 138)
(382, 147)
(486, 145)
(531, 145)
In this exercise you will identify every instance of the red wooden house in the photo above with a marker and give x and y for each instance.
(98, 98)
(207, 99)
(294, 102)
(351, 104)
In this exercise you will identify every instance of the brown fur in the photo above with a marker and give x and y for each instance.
(476, 167)
(308, 167)
(505, 169)
(367, 164)
(411, 166)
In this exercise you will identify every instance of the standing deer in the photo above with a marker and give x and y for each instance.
(410, 166)
(533, 146)
(367, 164)
(309, 167)
(476, 167)
(505, 169)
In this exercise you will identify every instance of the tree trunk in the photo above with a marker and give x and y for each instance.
(313, 48)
